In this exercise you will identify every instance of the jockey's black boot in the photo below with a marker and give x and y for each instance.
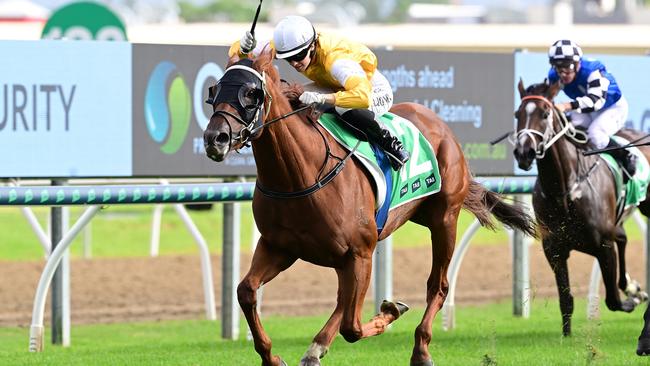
(624, 158)
(364, 120)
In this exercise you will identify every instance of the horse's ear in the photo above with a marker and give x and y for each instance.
(522, 89)
(554, 90)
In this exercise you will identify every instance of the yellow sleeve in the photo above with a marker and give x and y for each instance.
(358, 90)
(235, 50)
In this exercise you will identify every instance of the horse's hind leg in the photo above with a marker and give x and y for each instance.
(557, 258)
(266, 264)
(442, 226)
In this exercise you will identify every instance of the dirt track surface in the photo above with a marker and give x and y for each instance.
(116, 290)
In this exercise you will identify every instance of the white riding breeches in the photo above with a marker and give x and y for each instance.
(381, 99)
(602, 124)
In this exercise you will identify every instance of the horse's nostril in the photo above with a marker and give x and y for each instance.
(531, 154)
(222, 138)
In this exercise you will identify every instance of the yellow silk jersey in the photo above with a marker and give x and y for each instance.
(344, 66)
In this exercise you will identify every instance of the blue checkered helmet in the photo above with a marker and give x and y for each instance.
(564, 51)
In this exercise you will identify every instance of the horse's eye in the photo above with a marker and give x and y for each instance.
(545, 115)
(517, 114)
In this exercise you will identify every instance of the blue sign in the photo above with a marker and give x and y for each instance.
(65, 109)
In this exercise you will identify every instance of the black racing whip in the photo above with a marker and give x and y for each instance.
(608, 149)
(500, 138)
(257, 14)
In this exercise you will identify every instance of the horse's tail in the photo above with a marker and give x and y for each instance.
(482, 202)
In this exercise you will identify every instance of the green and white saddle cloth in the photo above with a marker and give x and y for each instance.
(419, 177)
(635, 190)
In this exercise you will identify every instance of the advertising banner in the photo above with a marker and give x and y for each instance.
(170, 85)
(471, 92)
(65, 109)
(629, 72)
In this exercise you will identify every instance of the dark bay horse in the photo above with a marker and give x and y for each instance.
(312, 203)
(574, 198)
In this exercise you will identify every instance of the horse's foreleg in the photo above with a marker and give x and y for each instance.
(266, 264)
(354, 279)
(443, 239)
(320, 345)
(558, 261)
(607, 260)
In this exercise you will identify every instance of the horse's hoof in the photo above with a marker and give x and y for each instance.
(310, 361)
(428, 362)
(402, 307)
(643, 347)
(629, 304)
(394, 308)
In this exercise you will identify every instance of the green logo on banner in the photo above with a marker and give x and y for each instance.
(152, 195)
(107, 195)
(60, 195)
(29, 195)
(45, 195)
(181, 194)
(239, 192)
(196, 193)
(84, 21)
(12, 195)
(91, 195)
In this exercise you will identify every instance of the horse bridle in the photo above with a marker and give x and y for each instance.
(256, 124)
(549, 137)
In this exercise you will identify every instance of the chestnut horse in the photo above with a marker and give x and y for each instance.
(331, 222)
(574, 198)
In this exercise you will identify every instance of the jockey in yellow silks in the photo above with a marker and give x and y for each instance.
(349, 69)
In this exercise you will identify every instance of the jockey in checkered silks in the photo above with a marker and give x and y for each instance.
(597, 102)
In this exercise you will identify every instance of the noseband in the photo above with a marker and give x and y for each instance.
(549, 136)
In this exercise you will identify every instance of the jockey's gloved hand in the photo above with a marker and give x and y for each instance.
(312, 97)
(247, 42)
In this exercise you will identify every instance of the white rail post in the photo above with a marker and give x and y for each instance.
(383, 272)
(206, 264)
(61, 278)
(593, 297)
(230, 271)
(204, 254)
(36, 332)
(520, 271)
(155, 230)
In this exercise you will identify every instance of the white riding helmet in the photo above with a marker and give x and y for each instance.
(292, 35)
(563, 51)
